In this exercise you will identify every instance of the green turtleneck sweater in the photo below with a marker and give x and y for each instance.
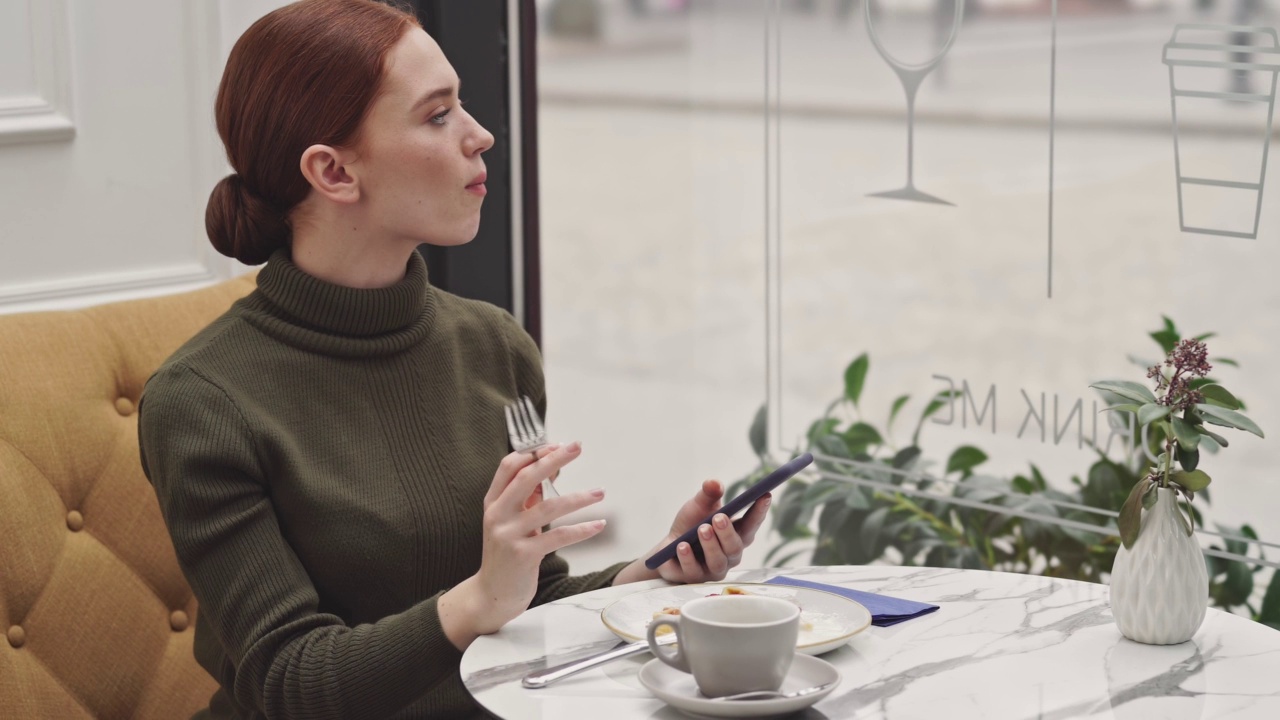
(321, 456)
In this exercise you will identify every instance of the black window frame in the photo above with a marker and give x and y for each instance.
(480, 37)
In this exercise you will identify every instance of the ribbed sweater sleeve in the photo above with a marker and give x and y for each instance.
(292, 660)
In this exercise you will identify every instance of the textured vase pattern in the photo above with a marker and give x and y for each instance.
(1160, 588)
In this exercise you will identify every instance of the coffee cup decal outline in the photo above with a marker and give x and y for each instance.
(1238, 58)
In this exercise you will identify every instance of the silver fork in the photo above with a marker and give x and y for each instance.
(527, 435)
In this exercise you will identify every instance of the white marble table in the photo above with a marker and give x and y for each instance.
(1000, 646)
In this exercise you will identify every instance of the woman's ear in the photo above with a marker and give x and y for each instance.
(328, 172)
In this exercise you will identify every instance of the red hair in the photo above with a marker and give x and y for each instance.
(301, 75)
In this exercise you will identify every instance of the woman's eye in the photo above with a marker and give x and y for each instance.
(439, 119)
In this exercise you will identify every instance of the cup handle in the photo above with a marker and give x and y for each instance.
(676, 659)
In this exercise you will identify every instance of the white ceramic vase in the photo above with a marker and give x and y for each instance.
(1160, 588)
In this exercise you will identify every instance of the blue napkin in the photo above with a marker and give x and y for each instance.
(885, 611)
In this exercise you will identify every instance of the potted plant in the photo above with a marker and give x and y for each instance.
(1159, 584)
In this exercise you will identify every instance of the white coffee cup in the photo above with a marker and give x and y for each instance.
(731, 643)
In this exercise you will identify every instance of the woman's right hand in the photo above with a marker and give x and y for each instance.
(514, 544)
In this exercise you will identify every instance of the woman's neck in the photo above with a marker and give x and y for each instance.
(350, 258)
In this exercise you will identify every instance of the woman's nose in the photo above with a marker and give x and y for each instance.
(479, 141)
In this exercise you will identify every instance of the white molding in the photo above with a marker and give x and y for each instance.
(87, 290)
(47, 116)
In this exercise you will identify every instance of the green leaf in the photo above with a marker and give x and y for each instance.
(1168, 324)
(1269, 613)
(1152, 412)
(757, 432)
(1239, 584)
(1167, 339)
(1131, 514)
(1195, 481)
(1149, 498)
(965, 459)
(855, 376)
(821, 428)
(1213, 436)
(1226, 361)
(821, 491)
(1218, 395)
(871, 527)
(1127, 390)
(1127, 407)
(1188, 459)
(832, 519)
(856, 499)
(1228, 418)
(1206, 336)
(906, 457)
(1104, 488)
(1185, 433)
(897, 406)
(860, 436)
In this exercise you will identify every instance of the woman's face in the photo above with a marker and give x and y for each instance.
(418, 155)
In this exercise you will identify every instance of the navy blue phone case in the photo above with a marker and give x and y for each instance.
(738, 504)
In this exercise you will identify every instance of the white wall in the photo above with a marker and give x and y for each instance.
(107, 146)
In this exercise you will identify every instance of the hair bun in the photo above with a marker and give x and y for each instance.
(243, 225)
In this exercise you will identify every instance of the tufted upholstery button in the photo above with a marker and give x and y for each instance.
(17, 636)
(178, 621)
(124, 406)
(75, 521)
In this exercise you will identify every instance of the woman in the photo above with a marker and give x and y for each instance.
(330, 455)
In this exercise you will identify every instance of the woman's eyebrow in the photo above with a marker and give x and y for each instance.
(447, 91)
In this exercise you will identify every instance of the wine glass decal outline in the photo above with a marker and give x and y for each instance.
(911, 76)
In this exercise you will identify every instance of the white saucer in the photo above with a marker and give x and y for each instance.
(679, 690)
(827, 620)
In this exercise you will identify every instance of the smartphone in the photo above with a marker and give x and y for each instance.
(735, 506)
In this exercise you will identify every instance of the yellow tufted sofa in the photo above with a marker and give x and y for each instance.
(95, 616)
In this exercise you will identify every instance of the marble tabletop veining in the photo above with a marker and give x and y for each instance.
(1000, 646)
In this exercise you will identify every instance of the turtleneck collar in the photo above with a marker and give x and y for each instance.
(318, 315)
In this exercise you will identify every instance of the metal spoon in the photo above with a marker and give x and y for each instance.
(776, 695)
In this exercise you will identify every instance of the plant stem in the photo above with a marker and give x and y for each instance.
(901, 502)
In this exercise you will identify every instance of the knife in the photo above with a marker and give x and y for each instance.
(543, 678)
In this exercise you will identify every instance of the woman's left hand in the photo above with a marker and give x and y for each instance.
(722, 541)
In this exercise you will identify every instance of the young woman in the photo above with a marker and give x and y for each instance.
(330, 455)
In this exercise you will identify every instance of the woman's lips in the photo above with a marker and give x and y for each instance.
(477, 185)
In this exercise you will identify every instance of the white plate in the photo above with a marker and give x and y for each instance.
(680, 691)
(827, 620)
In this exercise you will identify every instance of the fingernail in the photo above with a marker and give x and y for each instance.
(705, 531)
(599, 524)
(574, 447)
(684, 548)
(597, 493)
(766, 501)
(721, 521)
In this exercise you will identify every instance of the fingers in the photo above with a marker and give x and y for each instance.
(563, 537)
(522, 485)
(690, 568)
(506, 472)
(714, 557)
(730, 541)
(748, 524)
(551, 509)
